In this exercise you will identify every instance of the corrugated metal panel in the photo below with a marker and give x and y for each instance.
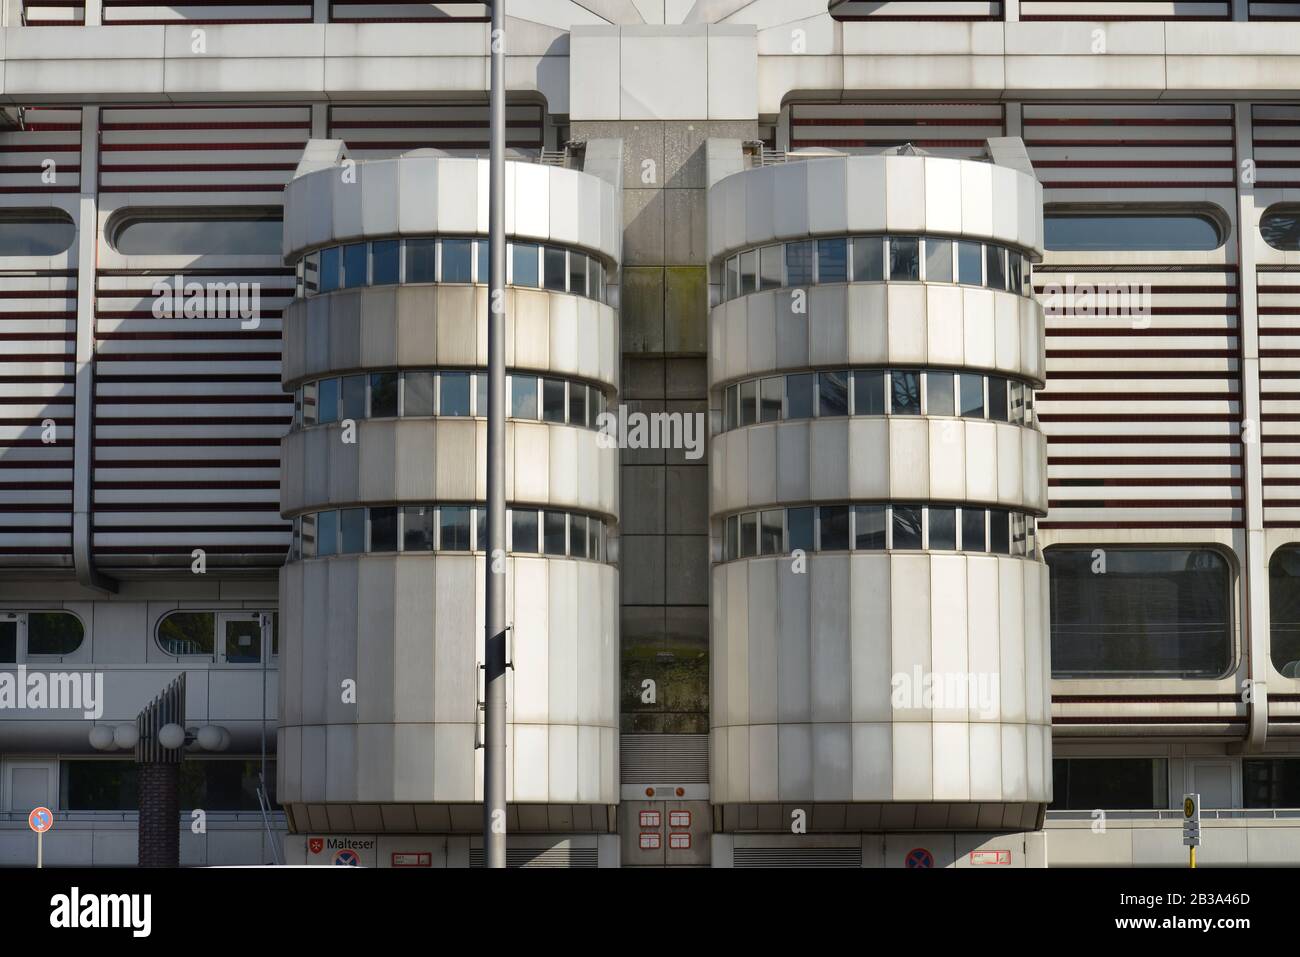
(1279, 351)
(1130, 145)
(1125, 10)
(377, 132)
(361, 11)
(664, 759)
(797, 857)
(207, 11)
(903, 10)
(561, 856)
(945, 129)
(1276, 145)
(54, 13)
(189, 412)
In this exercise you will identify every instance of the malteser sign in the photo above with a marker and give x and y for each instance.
(341, 849)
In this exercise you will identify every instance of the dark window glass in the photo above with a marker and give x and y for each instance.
(1284, 610)
(868, 259)
(995, 268)
(421, 260)
(577, 405)
(45, 233)
(832, 260)
(555, 269)
(1015, 272)
(219, 785)
(869, 527)
(769, 267)
(770, 533)
(383, 529)
(329, 268)
(799, 396)
(553, 533)
(749, 535)
(999, 531)
(800, 528)
(383, 394)
(905, 392)
(552, 400)
(730, 406)
(970, 268)
(1121, 784)
(243, 641)
(907, 526)
(480, 528)
(998, 410)
(595, 279)
(311, 272)
(354, 265)
(731, 279)
(417, 393)
(595, 539)
(384, 261)
(799, 263)
(730, 536)
(769, 398)
(453, 393)
(453, 528)
(1081, 231)
(523, 396)
(748, 272)
(1152, 612)
(868, 393)
(524, 265)
(456, 264)
(938, 393)
(327, 401)
(308, 526)
(1270, 782)
(53, 633)
(523, 529)
(578, 536)
(99, 786)
(482, 262)
(833, 393)
(352, 528)
(938, 260)
(480, 394)
(834, 528)
(749, 402)
(577, 274)
(258, 235)
(353, 405)
(972, 395)
(188, 633)
(904, 258)
(943, 528)
(417, 528)
(972, 530)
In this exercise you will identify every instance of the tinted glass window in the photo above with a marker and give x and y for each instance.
(53, 633)
(800, 527)
(523, 528)
(999, 531)
(420, 260)
(456, 263)
(770, 392)
(354, 265)
(552, 400)
(453, 393)
(330, 268)
(523, 396)
(938, 260)
(417, 393)
(1102, 231)
(868, 259)
(577, 274)
(384, 259)
(383, 529)
(943, 528)
(417, 528)
(868, 393)
(998, 411)
(1083, 784)
(834, 528)
(37, 234)
(353, 404)
(188, 633)
(383, 394)
(578, 536)
(905, 393)
(453, 528)
(578, 405)
(482, 262)
(748, 272)
(869, 527)
(770, 532)
(799, 396)
(972, 395)
(832, 260)
(798, 263)
(327, 398)
(553, 533)
(1281, 228)
(1160, 612)
(749, 535)
(769, 267)
(833, 391)
(907, 526)
(99, 786)
(352, 531)
(1271, 782)
(970, 268)
(1284, 610)
(904, 258)
(939, 393)
(995, 267)
(972, 530)
(181, 235)
(555, 269)
(525, 265)
(748, 402)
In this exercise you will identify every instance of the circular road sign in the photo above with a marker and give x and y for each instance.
(347, 858)
(919, 857)
(40, 820)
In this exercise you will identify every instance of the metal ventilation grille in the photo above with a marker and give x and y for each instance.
(664, 758)
(797, 857)
(541, 857)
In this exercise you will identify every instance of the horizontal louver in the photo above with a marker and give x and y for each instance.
(43, 155)
(378, 132)
(1276, 145)
(664, 759)
(797, 857)
(1279, 351)
(945, 129)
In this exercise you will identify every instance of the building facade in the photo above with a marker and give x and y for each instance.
(950, 516)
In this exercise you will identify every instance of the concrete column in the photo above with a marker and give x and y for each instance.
(94, 13)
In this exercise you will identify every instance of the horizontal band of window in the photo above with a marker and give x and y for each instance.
(255, 231)
(448, 393)
(36, 232)
(448, 261)
(39, 635)
(227, 636)
(396, 529)
(1102, 228)
(878, 527)
(875, 392)
(841, 259)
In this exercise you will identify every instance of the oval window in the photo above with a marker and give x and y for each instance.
(53, 633)
(194, 233)
(1118, 231)
(45, 232)
(188, 633)
(1284, 610)
(1280, 227)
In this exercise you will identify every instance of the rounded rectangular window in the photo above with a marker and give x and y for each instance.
(1284, 610)
(1113, 231)
(188, 633)
(36, 232)
(187, 233)
(1121, 612)
(53, 633)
